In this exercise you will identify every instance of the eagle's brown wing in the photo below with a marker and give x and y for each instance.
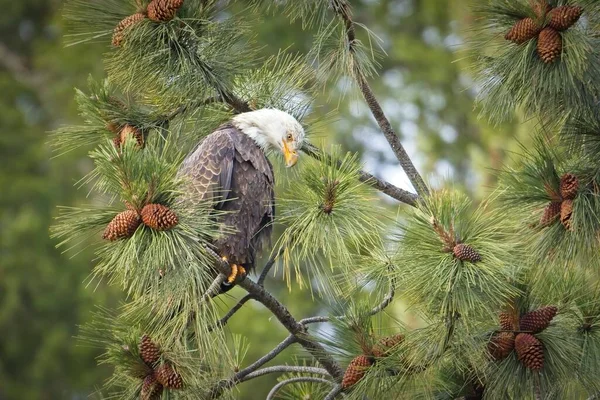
(230, 168)
(210, 167)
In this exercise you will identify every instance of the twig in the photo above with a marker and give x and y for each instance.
(387, 300)
(223, 321)
(394, 192)
(384, 124)
(281, 384)
(267, 268)
(215, 288)
(285, 368)
(334, 392)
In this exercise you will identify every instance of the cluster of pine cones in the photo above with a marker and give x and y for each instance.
(158, 376)
(155, 216)
(561, 203)
(550, 22)
(359, 365)
(157, 11)
(530, 350)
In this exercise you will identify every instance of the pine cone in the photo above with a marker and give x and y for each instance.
(151, 389)
(163, 10)
(149, 351)
(168, 377)
(538, 320)
(506, 321)
(522, 31)
(123, 225)
(129, 130)
(551, 213)
(566, 212)
(569, 184)
(563, 17)
(549, 45)
(159, 217)
(384, 345)
(530, 351)
(356, 370)
(464, 252)
(501, 345)
(121, 28)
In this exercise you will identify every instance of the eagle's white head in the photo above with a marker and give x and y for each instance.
(273, 129)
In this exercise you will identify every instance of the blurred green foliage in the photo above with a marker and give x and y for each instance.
(43, 297)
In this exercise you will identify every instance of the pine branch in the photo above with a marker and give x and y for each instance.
(394, 192)
(267, 268)
(281, 384)
(223, 321)
(387, 300)
(343, 10)
(296, 329)
(285, 369)
(334, 392)
(219, 388)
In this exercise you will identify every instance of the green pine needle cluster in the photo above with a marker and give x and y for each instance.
(514, 75)
(329, 216)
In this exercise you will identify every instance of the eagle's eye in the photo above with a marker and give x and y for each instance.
(290, 137)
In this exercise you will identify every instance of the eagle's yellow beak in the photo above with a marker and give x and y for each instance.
(290, 156)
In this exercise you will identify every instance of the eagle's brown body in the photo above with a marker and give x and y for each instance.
(229, 168)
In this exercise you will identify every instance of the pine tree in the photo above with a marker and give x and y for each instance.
(507, 289)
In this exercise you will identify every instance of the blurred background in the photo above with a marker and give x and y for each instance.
(424, 86)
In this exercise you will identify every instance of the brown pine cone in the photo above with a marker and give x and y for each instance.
(530, 351)
(163, 10)
(501, 345)
(464, 252)
(122, 27)
(384, 345)
(123, 225)
(522, 31)
(506, 321)
(569, 184)
(168, 377)
(149, 351)
(129, 130)
(549, 45)
(550, 214)
(566, 212)
(356, 370)
(159, 217)
(563, 17)
(538, 320)
(151, 389)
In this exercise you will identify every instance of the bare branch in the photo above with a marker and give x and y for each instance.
(267, 267)
(281, 384)
(394, 192)
(286, 368)
(223, 321)
(343, 10)
(334, 392)
(387, 300)
(219, 388)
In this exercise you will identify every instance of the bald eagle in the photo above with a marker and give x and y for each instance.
(230, 168)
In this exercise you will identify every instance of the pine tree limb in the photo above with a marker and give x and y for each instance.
(342, 8)
(281, 384)
(286, 369)
(286, 319)
(267, 268)
(225, 319)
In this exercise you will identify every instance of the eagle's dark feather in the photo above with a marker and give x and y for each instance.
(229, 168)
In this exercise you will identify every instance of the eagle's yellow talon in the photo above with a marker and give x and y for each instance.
(233, 275)
(241, 271)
